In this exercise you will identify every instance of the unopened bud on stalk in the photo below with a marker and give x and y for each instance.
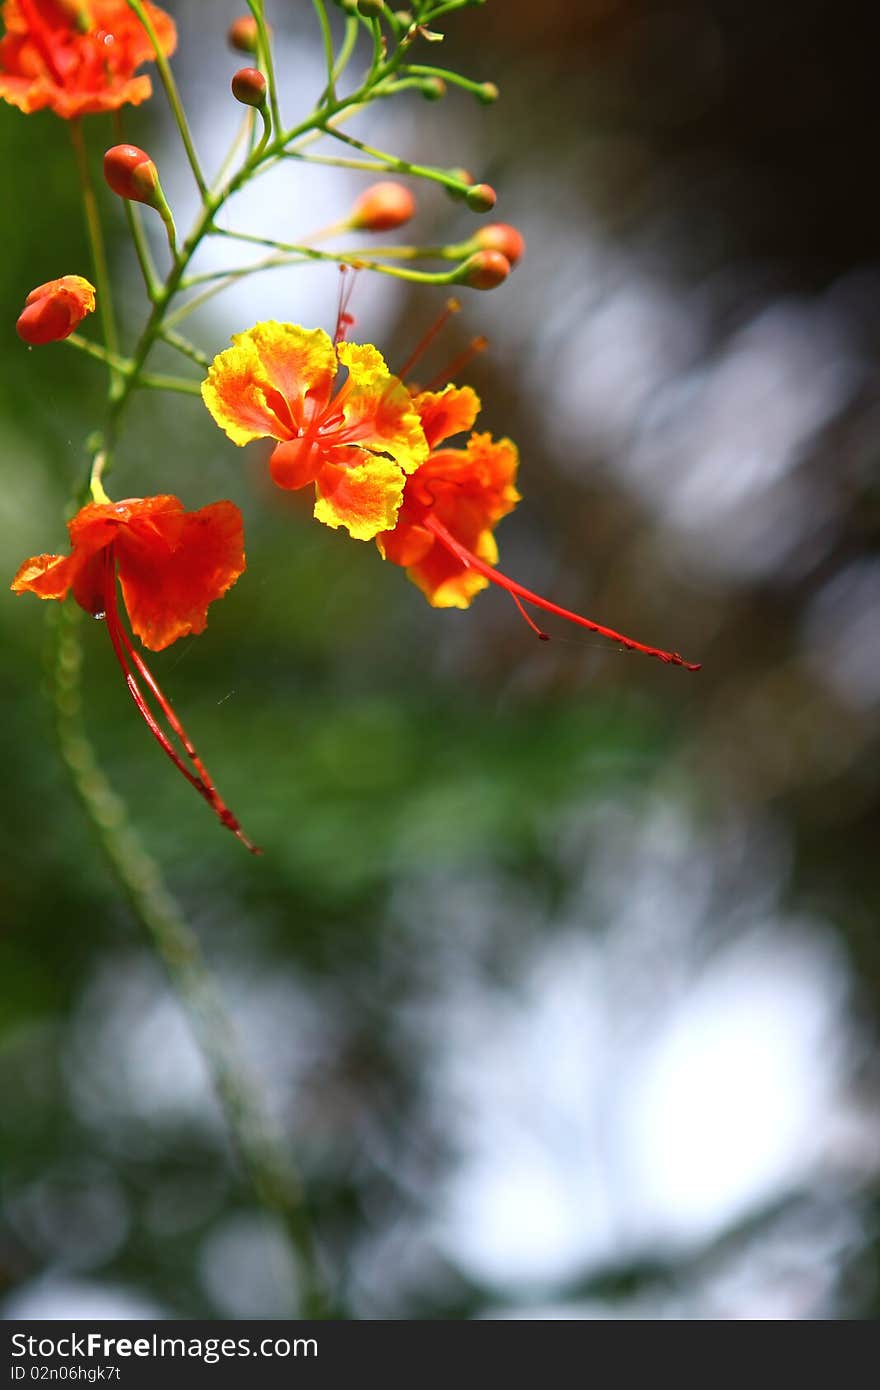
(131, 173)
(52, 311)
(371, 9)
(486, 93)
(382, 207)
(481, 197)
(244, 34)
(433, 88)
(249, 87)
(500, 236)
(484, 270)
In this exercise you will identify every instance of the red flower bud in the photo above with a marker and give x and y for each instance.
(382, 207)
(484, 270)
(500, 236)
(249, 87)
(131, 173)
(243, 34)
(481, 197)
(52, 311)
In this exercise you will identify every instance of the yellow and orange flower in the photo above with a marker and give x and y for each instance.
(444, 534)
(357, 445)
(77, 57)
(171, 565)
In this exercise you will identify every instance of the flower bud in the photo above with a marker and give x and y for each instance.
(433, 88)
(243, 34)
(484, 270)
(486, 93)
(131, 173)
(500, 236)
(249, 87)
(481, 197)
(52, 311)
(382, 207)
(371, 9)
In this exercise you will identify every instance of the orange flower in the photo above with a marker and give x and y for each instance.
(444, 537)
(77, 56)
(356, 446)
(171, 565)
(52, 311)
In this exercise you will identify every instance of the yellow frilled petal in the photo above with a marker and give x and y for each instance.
(447, 412)
(258, 387)
(364, 498)
(378, 410)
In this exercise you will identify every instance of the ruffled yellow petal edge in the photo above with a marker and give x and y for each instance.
(391, 423)
(365, 498)
(271, 357)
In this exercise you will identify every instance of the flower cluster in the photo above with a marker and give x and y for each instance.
(389, 462)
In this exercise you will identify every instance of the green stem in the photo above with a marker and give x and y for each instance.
(392, 163)
(136, 226)
(110, 359)
(328, 96)
(153, 381)
(183, 345)
(265, 54)
(98, 249)
(357, 260)
(261, 1154)
(352, 29)
(171, 92)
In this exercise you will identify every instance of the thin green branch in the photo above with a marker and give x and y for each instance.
(394, 164)
(261, 1153)
(357, 260)
(119, 364)
(265, 54)
(171, 92)
(328, 96)
(152, 381)
(349, 40)
(99, 253)
(184, 346)
(136, 227)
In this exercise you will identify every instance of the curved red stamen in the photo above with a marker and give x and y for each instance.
(421, 347)
(42, 37)
(125, 652)
(472, 561)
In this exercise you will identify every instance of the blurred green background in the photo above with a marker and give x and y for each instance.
(560, 970)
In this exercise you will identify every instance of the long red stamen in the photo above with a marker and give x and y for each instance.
(126, 653)
(472, 561)
(524, 613)
(42, 36)
(475, 346)
(344, 320)
(421, 347)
